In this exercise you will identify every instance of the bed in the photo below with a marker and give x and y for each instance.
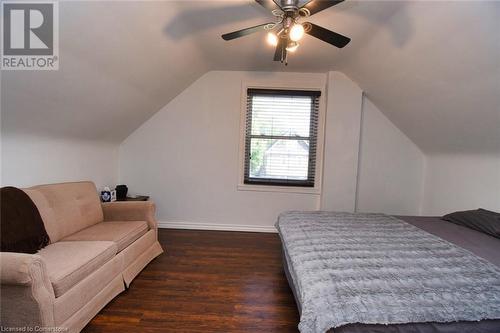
(453, 250)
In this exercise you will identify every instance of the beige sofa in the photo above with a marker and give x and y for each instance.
(96, 250)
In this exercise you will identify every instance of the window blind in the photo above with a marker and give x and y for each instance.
(281, 137)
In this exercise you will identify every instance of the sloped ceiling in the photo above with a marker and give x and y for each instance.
(432, 67)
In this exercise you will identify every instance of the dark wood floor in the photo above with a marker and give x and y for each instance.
(207, 281)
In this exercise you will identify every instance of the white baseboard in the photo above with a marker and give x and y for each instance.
(216, 227)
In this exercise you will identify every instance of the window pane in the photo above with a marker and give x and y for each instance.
(281, 115)
(279, 159)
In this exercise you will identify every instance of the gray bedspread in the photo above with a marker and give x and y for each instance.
(376, 269)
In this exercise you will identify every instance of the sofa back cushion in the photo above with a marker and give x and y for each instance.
(66, 207)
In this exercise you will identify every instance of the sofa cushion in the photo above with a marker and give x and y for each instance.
(70, 262)
(67, 207)
(123, 233)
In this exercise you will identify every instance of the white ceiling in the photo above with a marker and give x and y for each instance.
(432, 67)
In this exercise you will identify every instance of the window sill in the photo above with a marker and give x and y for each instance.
(281, 189)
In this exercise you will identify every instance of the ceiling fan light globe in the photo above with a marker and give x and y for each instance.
(272, 39)
(296, 32)
(292, 46)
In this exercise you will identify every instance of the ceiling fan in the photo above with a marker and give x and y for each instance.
(286, 32)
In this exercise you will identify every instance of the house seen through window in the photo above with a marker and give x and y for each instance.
(280, 137)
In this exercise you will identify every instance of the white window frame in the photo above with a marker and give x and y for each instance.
(282, 85)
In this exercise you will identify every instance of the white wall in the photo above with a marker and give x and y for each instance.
(31, 160)
(188, 162)
(186, 156)
(343, 119)
(391, 167)
(461, 182)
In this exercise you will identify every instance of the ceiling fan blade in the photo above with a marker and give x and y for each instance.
(315, 6)
(269, 4)
(280, 53)
(326, 35)
(247, 31)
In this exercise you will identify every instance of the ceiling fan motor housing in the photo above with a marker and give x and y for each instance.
(290, 6)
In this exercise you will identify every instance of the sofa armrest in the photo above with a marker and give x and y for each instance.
(27, 294)
(131, 211)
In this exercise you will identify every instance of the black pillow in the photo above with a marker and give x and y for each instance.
(21, 224)
(480, 219)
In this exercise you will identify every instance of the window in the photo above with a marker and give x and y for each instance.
(281, 137)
